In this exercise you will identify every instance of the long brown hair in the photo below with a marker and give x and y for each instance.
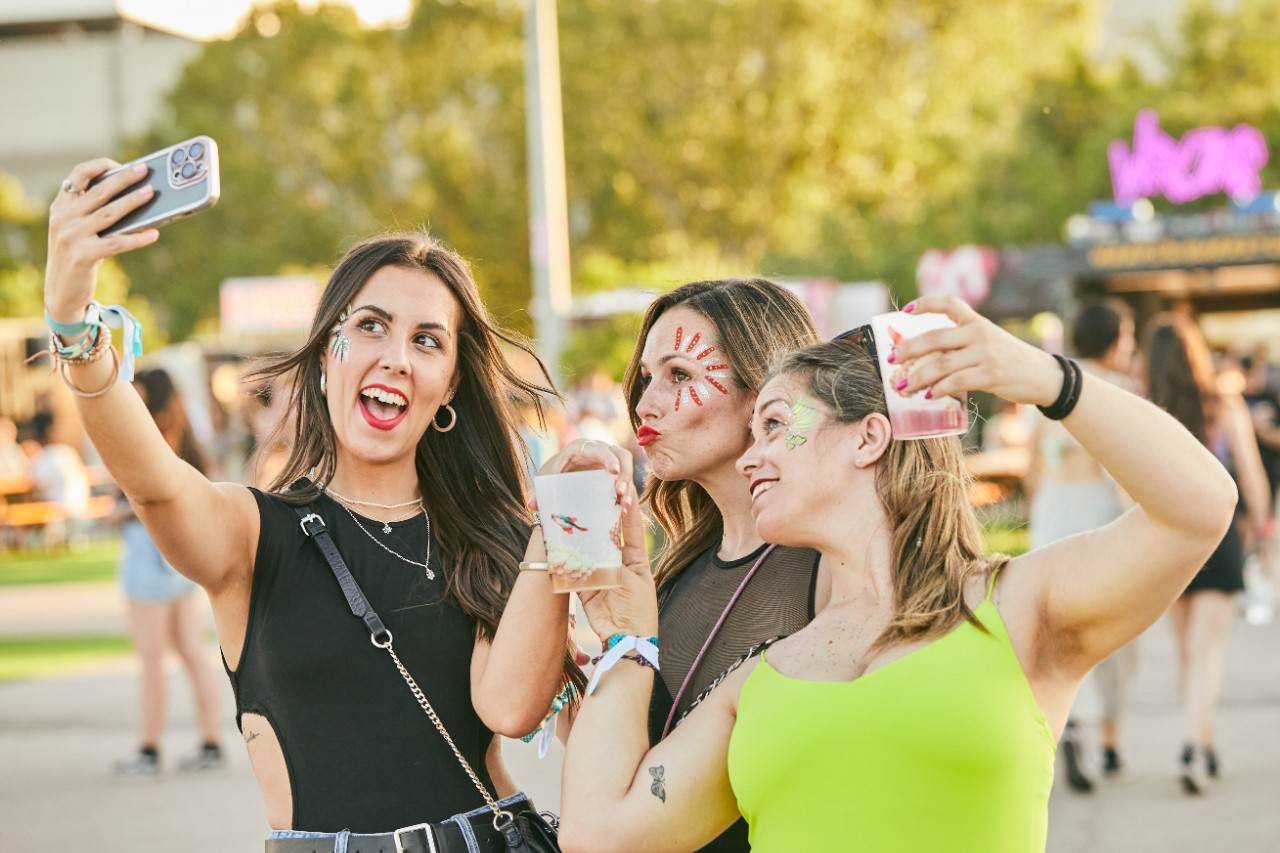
(936, 543)
(757, 322)
(471, 477)
(164, 402)
(1180, 373)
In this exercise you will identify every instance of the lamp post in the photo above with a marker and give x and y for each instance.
(548, 206)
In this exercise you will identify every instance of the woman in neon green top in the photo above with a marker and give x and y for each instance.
(918, 712)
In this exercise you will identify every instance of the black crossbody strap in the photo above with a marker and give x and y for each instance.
(313, 525)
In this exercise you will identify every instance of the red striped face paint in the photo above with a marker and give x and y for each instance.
(715, 375)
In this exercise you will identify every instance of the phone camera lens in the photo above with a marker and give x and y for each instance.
(197, 151)
(179, 157)
(188, 169)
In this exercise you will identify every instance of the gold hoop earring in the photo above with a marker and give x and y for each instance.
(453, 420)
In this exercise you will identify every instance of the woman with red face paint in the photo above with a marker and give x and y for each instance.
(919, 710)
(405, 471)
(705, 349)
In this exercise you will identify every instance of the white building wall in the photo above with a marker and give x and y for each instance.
(71, 97)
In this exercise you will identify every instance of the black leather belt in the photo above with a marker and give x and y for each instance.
(444, 837)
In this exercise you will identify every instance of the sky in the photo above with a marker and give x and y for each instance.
(209, 19)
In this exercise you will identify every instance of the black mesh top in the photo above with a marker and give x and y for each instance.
(778, 601)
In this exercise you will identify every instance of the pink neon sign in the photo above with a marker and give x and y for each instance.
(1205, 161)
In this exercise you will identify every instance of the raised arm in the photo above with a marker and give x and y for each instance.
(1089, 594)
(515, 677)
(207, 532)
(617, 795)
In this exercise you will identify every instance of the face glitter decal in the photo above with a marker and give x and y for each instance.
(803, 418)
(679, 338)
(341, 344)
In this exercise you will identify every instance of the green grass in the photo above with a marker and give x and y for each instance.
(37, 656)
(95, 561)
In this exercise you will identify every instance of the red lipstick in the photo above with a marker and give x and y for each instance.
(647, 435)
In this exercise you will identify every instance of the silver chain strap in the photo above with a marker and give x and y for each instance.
(501, 818)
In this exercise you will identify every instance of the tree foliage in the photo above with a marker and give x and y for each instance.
(823, 137)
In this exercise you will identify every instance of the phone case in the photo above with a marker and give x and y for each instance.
(185, 179)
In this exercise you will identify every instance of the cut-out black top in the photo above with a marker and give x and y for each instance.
(360, 752)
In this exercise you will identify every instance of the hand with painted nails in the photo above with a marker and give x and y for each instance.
(590, 455)
(974, 355)
(79, 213)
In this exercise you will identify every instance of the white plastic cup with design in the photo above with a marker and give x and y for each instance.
(581, 525)
(915, 416)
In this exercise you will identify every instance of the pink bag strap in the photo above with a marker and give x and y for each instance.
(715, 629)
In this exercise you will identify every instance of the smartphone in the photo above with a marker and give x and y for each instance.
(185, 179)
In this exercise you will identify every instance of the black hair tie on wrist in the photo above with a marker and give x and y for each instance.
(1069, 396)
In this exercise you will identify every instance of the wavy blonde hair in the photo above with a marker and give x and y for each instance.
(936, 543)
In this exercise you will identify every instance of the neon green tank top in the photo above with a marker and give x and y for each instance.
(942, 750)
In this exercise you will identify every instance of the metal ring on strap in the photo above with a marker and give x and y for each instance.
(386, 644)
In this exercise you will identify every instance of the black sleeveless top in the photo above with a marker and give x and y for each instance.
(361, 754)
(778, 601)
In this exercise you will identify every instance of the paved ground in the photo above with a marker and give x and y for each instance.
(59, 736)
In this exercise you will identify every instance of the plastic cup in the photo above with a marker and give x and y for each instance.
(581, 524)
(915, 416)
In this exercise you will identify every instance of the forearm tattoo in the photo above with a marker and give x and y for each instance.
(658, 787)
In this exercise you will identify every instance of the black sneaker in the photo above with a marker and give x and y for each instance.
(1211, 762)
(1076, 778)
(1193, 781)
(145, 762)
(1111, 763)
(209, 757)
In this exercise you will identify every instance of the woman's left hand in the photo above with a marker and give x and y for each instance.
(975, 355)
(632, 607)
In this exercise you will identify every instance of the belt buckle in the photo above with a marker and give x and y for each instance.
(426, 830)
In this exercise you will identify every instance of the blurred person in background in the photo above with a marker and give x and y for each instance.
(704, 350)
(58, 474)
(163, 610)
(13, 462)
(1181, 380)
(1071, 493)
(1263, 400)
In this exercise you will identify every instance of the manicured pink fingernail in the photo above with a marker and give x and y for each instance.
(910, 307)
(893, 357)
(900, 384)
(928, 395)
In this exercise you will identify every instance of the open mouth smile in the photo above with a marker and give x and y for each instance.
(383, 407)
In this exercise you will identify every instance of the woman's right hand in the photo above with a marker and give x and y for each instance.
(75, 219)
(631, 608)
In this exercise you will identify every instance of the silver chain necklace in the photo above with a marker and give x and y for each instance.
(345, 499)
(387, 529)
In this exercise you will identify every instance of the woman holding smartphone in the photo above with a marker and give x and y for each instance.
(403, 456)
(919, 710)
(704, 351)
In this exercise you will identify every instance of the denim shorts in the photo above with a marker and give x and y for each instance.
(341, 839)
(144, 574)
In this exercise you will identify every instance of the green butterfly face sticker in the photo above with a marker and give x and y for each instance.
(804, 416)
